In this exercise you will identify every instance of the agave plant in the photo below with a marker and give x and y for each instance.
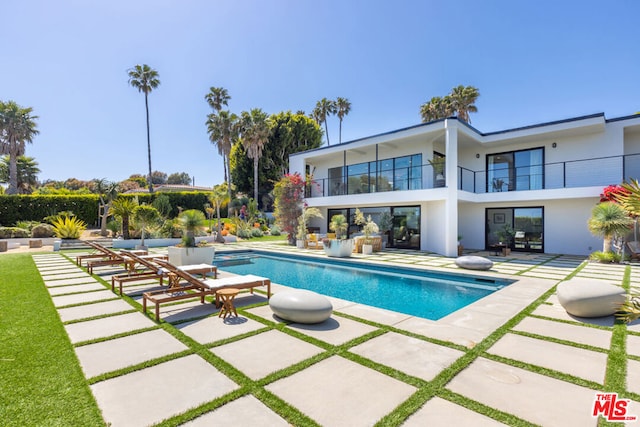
(630, 310)
(68, 227)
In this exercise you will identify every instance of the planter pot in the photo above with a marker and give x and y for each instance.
(141, 247)
(367, 249)
(299, 244)
(460, 249)
(190, 256)
(506, 251)
(338, 248)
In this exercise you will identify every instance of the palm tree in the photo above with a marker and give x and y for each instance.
(217, 97)
(17, 127)
(609, 220)
(218, 197)
(27, 171)
(191, 221)
(463, 100)
(123, 207)
(145, 79)
(343, 107)
(223, 132)
(255, 134)
(437, 108)
(145, 216)
(324, 108)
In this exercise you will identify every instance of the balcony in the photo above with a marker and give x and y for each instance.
(596, 172)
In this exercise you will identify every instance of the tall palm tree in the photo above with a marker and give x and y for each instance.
(463, 100)
(324, 108)
(145, 79)
(255, 134)
(343, 107)
(17, 127)
(217, 97)
(609, 220)
(437, 108)
(219, 197)
(223, 132)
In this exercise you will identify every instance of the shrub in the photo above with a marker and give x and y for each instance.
(68, 227)
(114, 226)
(27, 225)
(256, 232)
(13, 233)
(275, 230)
(605, 257)
(42, 230)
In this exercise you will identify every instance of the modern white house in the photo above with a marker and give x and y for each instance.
(445, 179)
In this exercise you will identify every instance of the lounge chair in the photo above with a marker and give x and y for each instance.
(152, 270)
(200, 287)
(116, 258)
(312, 242)
(100, 253)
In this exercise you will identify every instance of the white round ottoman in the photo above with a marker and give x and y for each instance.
(301, 306)
(590, 297)
(472, 262)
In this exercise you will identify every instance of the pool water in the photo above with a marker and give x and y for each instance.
(417, 293)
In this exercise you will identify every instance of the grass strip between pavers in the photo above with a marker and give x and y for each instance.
(42, 382)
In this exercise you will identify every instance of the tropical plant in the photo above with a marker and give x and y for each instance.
(123, 207)
(506, 234)
(219, 196)
(107, 191)
(66, 226)
(217, 97)
(191, 221)
(114, 226)
(27, 169)
(610, 221)
(324, 108)
(339, 225)
(17, 127)
(463, 100)
(145, 216)
(303, 221)
(289, 198)
(255, 133)
(343, 107)
(163, 204)
(629, 311)
(370, 228)
(145, 79)
(223, 129)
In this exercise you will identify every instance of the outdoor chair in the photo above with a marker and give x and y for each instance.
(116, 258)
(313, 242)
(152, 270)
(100, 252)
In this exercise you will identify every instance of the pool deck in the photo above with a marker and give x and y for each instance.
(515, 355)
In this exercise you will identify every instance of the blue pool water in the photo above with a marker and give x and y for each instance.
(431, 296)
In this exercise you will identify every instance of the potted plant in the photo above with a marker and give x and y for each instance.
(460, 247)
(340, 246)
(144, 216)
(506, 235)
(303, 220)
(188, 252)
(369, 229)
(386, 220)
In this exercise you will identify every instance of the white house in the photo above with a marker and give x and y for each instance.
(541, 181)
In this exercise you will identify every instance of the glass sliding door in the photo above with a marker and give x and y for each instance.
(516, 170)
(405, 227)
(521, 227)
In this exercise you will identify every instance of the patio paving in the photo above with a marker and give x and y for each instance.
(337, 390)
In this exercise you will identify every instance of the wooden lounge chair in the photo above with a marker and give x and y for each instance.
(99, 253)
(116, 258)
(152, 270)
(200, 288)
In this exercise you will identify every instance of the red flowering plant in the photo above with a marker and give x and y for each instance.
(289, 195)
(613, 193)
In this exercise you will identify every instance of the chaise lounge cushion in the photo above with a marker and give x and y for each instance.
(590, 297)
(301, 306)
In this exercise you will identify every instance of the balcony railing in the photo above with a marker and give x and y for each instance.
(594, 172)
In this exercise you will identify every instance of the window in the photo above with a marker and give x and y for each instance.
(526, 226)
(516, 170)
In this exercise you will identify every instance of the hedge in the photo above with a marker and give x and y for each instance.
(15, 208)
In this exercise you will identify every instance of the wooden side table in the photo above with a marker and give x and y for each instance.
(227, 295)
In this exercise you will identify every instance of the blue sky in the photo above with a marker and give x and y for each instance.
(531, 61)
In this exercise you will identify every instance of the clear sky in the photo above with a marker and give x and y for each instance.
(532, 61)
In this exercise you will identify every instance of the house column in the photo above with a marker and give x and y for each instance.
(451, 175)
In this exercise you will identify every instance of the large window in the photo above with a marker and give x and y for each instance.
(522, 228)
(515, 170)
(395, 174)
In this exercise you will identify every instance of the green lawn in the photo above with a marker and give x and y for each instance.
(41, 382)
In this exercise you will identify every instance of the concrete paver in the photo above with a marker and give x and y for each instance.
(107, 356)
(412, 356)
(265, 353)
(64, 300)
(91, 310)
(237, 413)
(336, 330)
(150, 395)
(107, 326)
(574, 333)
(338, 392)
(442, 413)
(86, 287)
(633, 377)
(65, 282)
(211, 329)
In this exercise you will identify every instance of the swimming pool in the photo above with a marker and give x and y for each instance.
(417, 293)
